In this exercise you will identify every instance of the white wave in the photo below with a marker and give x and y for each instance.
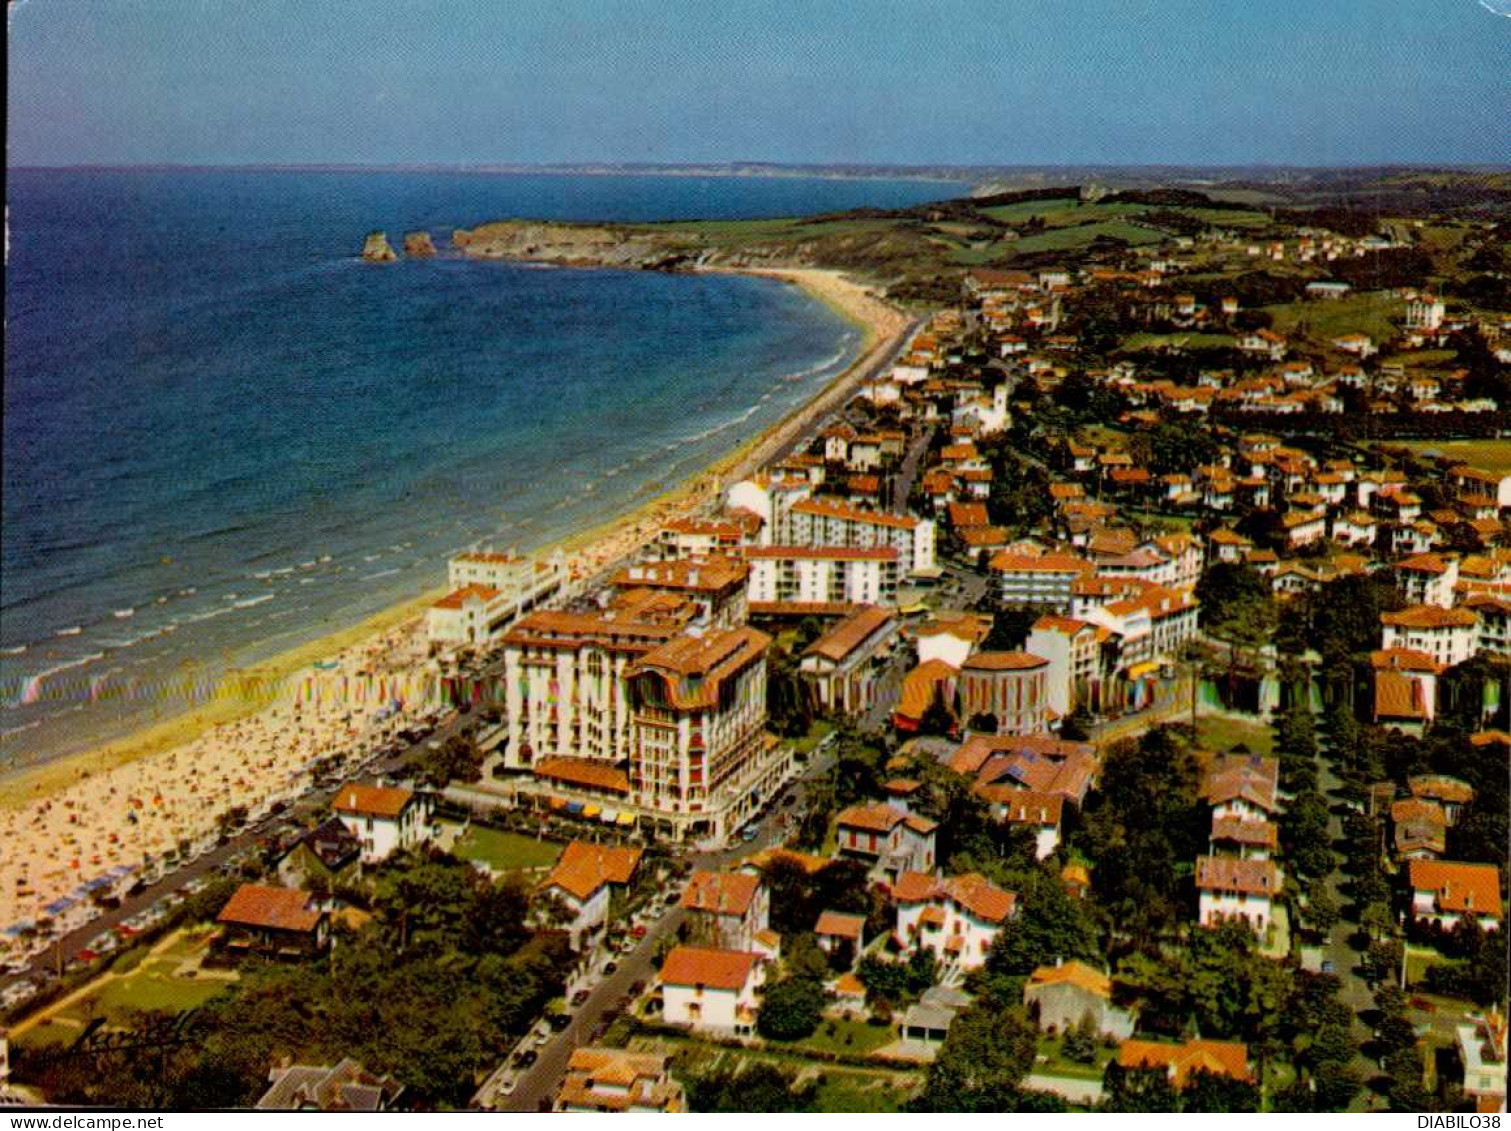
(250, 601)
(819, 368)
(74, 631)
(16, 651)
(220, 612)
(324, 558)
(189, 592)
(123, 614)
(371, 557)
(262, 574)
(8, 731)
(31, 690)
(380, 573)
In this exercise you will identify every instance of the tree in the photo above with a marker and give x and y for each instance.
(1237, 604)
(1217, 1093)
(981, 1065)
(1138, 1090)
(1048, 927)
(1081, 1041)
(747, 1086)
(791, 1010)
(1308, 844)
(1322, 909)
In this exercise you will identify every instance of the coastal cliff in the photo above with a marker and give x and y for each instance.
(418, 245)
(376, 249)
(573, 245)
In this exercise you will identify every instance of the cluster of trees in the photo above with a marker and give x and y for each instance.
(890, 984)
(747, 1086)
(1144, 826)
(798, 896)
(458, 759)
(1237, 604)
(982, 1064)
(1151, 1090)
(1049, 926)
(442, 976)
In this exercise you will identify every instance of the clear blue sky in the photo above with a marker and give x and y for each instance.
(1311, 82)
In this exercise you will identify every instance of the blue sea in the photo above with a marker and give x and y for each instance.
(225, 434)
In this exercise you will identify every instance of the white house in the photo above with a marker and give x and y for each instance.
(1428, 579)
(957, 919)
(1445, 891)
(1449, 636)
(383, 818)
(1063, 995)
(712, 990)
(1482, 1051)
(843, 665)
(583, 880)
(726, 909)
(887, 838)
(1228, 887)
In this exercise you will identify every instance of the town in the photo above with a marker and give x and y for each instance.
(1107, 707)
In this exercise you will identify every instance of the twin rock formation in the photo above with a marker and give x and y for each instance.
(417, 245)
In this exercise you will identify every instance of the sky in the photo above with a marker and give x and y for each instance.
(969, 82)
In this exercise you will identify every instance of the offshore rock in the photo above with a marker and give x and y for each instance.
(375, 248)
(418, 245)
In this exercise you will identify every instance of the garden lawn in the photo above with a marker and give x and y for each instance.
(857, 1092)
(505, 852)
(1059, 1065)
(862, 1038)
(1219, 733)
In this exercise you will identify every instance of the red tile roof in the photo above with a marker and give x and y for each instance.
(721, 893)
(703, 966)
(839, 925)
(372, 800)
(584, 772)
(1459, 887)
(1226, 1058)
(270, 908)
(1226, 874)
(850, 633)
(584, 868)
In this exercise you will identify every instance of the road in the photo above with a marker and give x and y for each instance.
(1338, 949)
(542, 1079)
(907, 471)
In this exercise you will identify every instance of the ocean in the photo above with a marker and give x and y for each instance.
(226, 435)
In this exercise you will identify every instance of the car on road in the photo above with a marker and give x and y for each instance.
(750, 832)
(559, 1021)
(637, 931)
(578, 998)
(1327, 966)
(526, 1058)
(609, 968)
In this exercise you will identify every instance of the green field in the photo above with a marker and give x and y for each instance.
(505, 852)
(1487, 455)
(1065, 239)
(1214, 732)
(1369, 313)
(153, 988)
(1135, 342)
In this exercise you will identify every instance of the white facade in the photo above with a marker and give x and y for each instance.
(385, 820)
(814, 522)
(820, 574)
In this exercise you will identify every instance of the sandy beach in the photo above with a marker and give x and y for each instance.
(161, 792)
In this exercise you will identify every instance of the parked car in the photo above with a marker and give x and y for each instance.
(526, 1058)
(578, 998)
(559, 1021)
(637, 931)
(609, 968)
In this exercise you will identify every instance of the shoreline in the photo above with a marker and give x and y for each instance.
(252, 696)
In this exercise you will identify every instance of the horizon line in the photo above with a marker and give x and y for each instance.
(744, 165)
